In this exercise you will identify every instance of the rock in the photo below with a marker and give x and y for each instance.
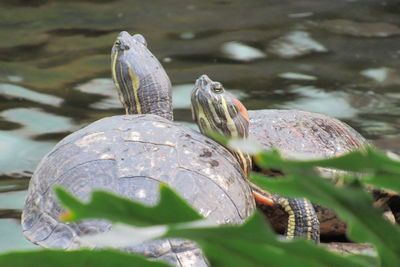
(351, 248)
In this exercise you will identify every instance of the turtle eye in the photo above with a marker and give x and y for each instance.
(217, 88)
(117, 42)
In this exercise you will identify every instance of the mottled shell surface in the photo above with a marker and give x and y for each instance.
(131, 155)
(305, 135)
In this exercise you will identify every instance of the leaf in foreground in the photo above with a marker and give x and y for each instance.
(254, 244)
(80, 258)
(170, 209)
(351, 202)
(250, 244)
(368, 161)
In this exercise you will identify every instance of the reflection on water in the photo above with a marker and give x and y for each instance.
(17, 92)
(297, 76)
(295, 44)
(340, 58)
(101, 87)
(20, 155)
(335, 104)
(12, 200)
(241, 52)
(35, 121)
(10, 231)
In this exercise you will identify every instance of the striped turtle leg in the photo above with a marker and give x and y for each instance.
(302, 221)
(302, 218)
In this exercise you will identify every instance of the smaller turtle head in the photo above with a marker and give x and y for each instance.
(216, 111)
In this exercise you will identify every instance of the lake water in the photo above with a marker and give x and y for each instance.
(340, 58)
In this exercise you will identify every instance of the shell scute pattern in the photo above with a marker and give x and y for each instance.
(223, 174)
(306, 135)
(131, 155)
(64, 236)
(198, 187)
(139, 188)
(303, 134)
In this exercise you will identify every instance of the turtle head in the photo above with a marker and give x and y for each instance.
(126, 42)
(216, 110)
(122, 43)
(142, 83)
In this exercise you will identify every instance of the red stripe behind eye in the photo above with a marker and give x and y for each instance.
(241, 108)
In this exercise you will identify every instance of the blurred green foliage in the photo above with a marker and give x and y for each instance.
(253, 243)
(351, 202)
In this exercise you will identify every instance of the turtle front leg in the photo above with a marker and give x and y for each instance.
(302, 220)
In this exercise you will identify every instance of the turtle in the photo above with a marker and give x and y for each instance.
(296, 134)
(130, 155)
(128, 95)
(305, 135)
(216, 111)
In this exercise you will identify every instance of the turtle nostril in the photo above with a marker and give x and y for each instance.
(125, 47)
(203, 80)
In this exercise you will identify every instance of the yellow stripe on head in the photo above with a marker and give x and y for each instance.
(203, 118)
(215, 117)
(230, 124)
(135, 86)
(114, 75)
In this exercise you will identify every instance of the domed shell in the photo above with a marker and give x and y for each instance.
(305, 135)
(302, 134)
(130, 156)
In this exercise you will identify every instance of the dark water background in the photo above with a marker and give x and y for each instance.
(340, 58)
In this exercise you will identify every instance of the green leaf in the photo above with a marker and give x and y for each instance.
(250, 244)
(364, 259)
(370, 162)
(80, 258)
(170, 209)
(352, 204)
(361, 160)
(254, 244)
(384, 181)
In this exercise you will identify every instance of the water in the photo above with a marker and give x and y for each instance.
(340, 58)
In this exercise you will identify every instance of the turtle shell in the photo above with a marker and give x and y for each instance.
(301, 134)
(305, 135)
(130, 156)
